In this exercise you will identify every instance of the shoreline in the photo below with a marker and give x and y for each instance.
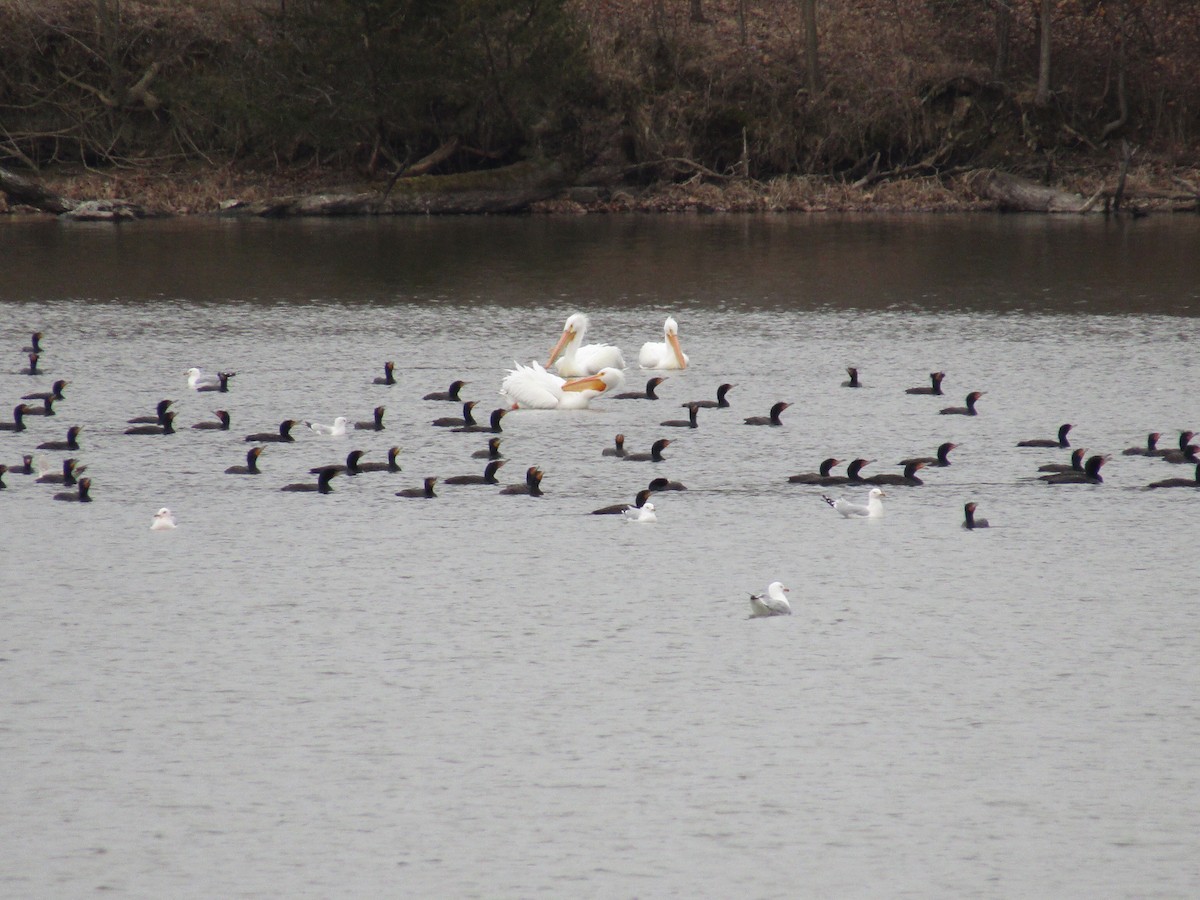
(1148, 188)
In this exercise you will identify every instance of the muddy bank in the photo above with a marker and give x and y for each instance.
(545, 188)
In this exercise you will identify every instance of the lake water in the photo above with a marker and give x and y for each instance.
(351, 695)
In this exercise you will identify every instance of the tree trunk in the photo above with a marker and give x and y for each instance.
(697, 12)
(1004, 23)
(810, 45)
(1043, 83)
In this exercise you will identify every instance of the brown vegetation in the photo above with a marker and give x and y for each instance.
(652, 104)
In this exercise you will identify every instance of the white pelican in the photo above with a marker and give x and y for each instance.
(532, 387)
(872, 510)
(664, 354)
(337, 429)
(575, 360)
(163, 520)
(772, 603)
(643, 513)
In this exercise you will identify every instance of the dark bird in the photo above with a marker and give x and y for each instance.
(969, 521)
(968, 410)
(451, 394)
(167, 426)
(853, 474)
(1089, 475)
(350, 468)
(18, 422)
(321, 486)
(693, 409)
(665, 484)
(488, 476)
(81, 494)
(454, 422)
(773, 418)
(647, 394)
(25, 468)
(909, 477)
(618, 509)
(1186, 455)
(1075, 465)
(618, 448)
(251, 466)
(721, 402)
(935, 388)
(1178, 482)
(817, 477)
(376, 423)
(46, 410)
(3, 469)
(1185, 438)
(284, 435)
(55, 392)
(1063, 431)
(390, 466)
(221, 424)
(221, 385)
(941, 460)
(389, 374)
(853, 382)
(655, 454)
(491, 451)
(160, 410)
(532, 485)
(1149, 449)
(71, 443)
(424, 492)
(493, 425)
(35, 343)
(66, 477)
(32, 368)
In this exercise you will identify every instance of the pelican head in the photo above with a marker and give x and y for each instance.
(671, 334)
(573, 332)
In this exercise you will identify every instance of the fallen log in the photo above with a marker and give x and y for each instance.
(1013, 193)
(26, 192)
(511, 189)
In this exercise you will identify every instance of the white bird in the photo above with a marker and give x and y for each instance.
(532, 387)
(163, 520)
(664, 354)
(337, 429)
(872, 510)
(772, 603)
(643, 513)
(197, 379)
(574, 359)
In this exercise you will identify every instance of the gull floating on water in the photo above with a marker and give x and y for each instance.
(872, 509)
(163, 520)
(337, 429)
(772, 603)
(644, 514)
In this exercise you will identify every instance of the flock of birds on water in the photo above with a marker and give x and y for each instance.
(582, 373)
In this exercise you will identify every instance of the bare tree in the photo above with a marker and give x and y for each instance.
(810, 45)
(1004, 24)
(1043, 83)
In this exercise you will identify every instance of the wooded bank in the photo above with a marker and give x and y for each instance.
(375, 107)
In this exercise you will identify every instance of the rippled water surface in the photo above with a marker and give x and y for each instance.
(492, 696)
